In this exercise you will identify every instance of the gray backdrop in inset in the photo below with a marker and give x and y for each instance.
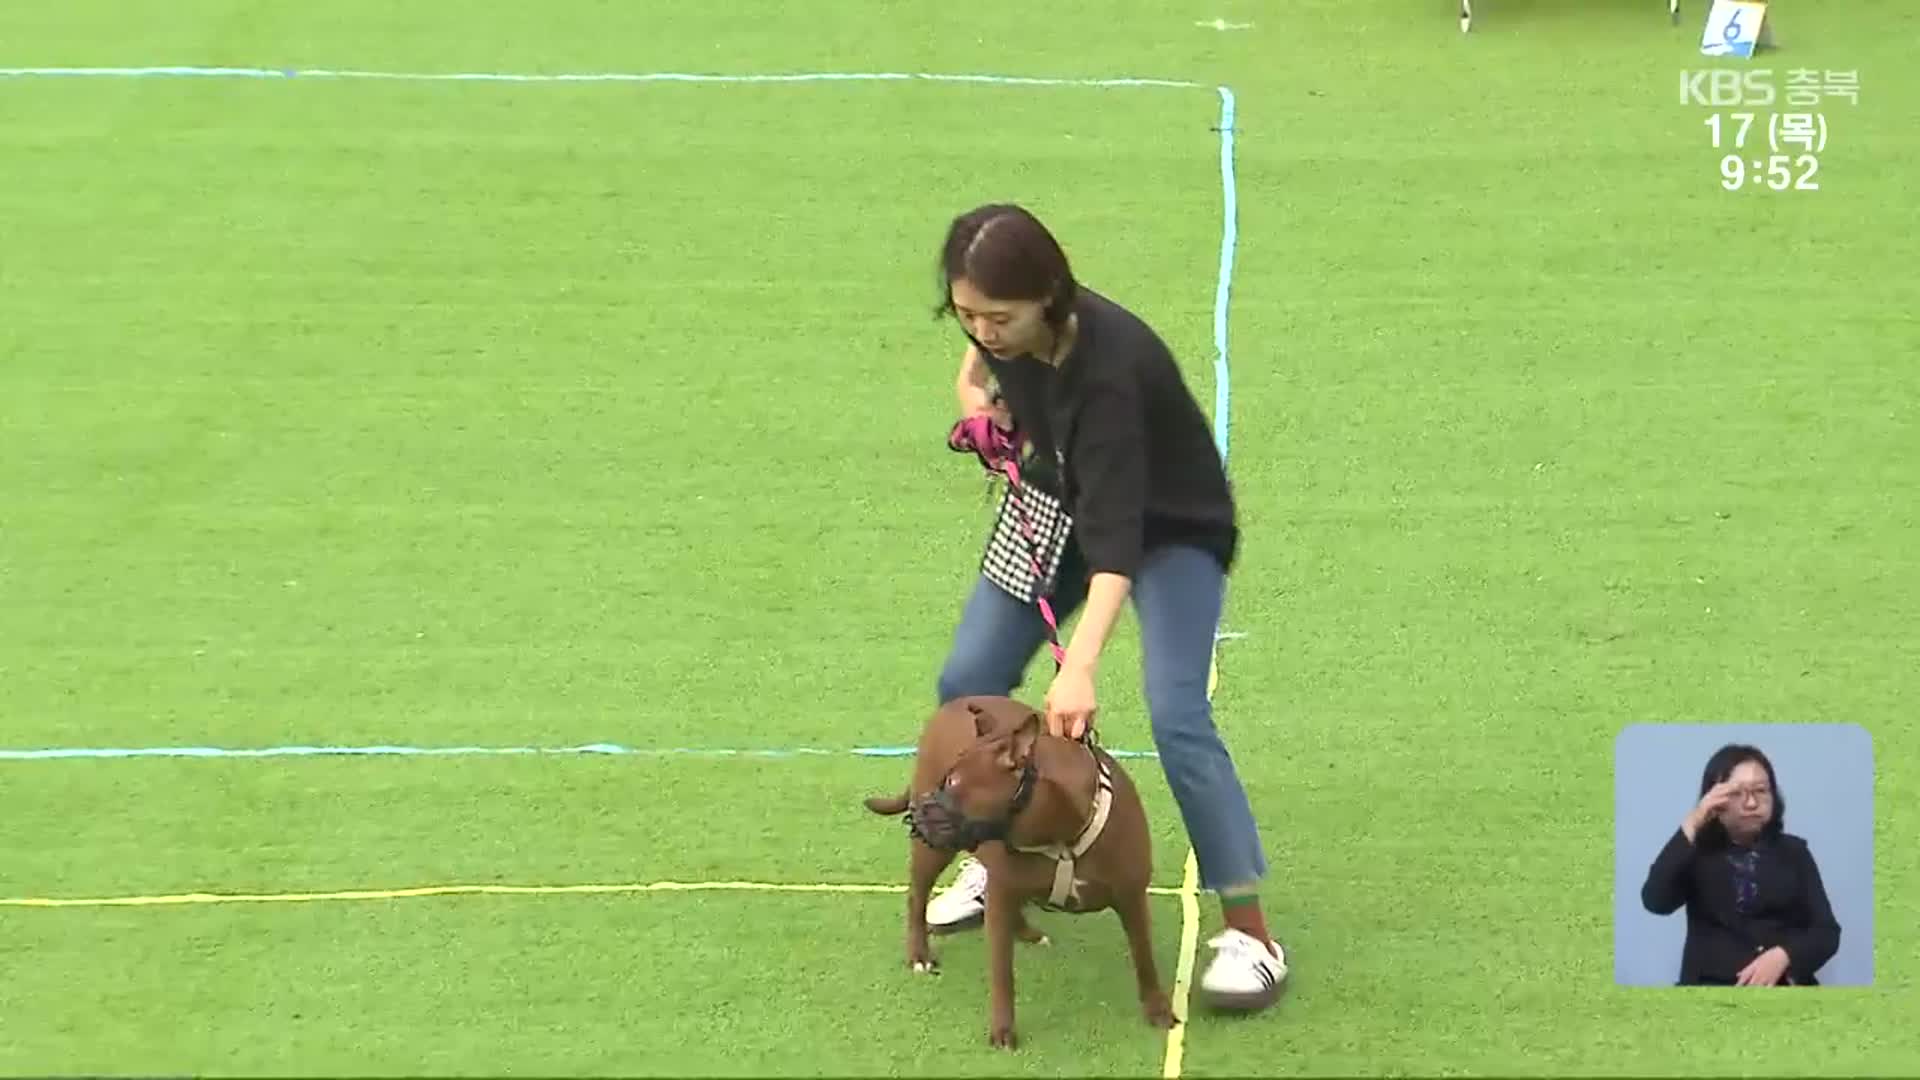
(1825, 773)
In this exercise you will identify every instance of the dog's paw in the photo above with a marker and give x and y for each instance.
(1034, 937)
(1158, 1011)
(920, 957)
(1002, 1036)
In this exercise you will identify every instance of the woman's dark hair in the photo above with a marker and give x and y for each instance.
(1007, 254)
(1719, 767)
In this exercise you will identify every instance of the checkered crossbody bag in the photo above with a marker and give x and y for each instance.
(1029, 540)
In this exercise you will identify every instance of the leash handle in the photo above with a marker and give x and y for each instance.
(979, 435)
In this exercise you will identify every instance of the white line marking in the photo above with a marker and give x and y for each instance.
(569, 77)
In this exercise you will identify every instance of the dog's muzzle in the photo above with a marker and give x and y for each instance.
(937, 820)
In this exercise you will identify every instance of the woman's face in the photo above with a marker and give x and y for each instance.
(1008, 328)
(1752, 803)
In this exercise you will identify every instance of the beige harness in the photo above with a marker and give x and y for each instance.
(1066, 886)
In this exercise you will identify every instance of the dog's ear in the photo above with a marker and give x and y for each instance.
(1024, 736)
(1018, 746)
(982, 719)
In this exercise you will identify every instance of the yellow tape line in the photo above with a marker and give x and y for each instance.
(1189, 894)
(458, 890)
(1183, 971)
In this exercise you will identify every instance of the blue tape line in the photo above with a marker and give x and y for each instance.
(610, 749)
(1222, 391)
(568, 77)
(1229, 241)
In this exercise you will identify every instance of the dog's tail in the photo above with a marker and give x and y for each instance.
(883, 805)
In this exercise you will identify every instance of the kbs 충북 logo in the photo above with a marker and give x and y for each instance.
(1724, 88)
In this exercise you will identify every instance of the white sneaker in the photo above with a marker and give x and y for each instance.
(1245, 975)
(964, 902)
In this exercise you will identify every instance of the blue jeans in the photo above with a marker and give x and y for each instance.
(1177, 596)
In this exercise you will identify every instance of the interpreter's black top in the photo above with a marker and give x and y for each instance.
(1742, 901)
(1131, 454)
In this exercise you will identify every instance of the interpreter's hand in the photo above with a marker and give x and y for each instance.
(1070, 704)
(1709, 806)
(1767, 969)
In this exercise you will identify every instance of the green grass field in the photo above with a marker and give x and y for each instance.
(355, 412)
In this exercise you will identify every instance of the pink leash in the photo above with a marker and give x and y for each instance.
(999, 452)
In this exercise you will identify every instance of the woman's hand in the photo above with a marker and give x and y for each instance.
(1070, 704)
(982, 403)
(1767, 969)
(1709, 805)
(1002, 419)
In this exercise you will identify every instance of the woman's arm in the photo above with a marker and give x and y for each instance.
(971, 384)
(1810, 949)
(1109, 456)
(1666, 889)
(1106, 596)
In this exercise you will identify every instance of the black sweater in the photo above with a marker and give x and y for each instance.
(1789, 909)
(1130, 451)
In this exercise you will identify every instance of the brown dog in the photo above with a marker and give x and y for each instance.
(1055, 821)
